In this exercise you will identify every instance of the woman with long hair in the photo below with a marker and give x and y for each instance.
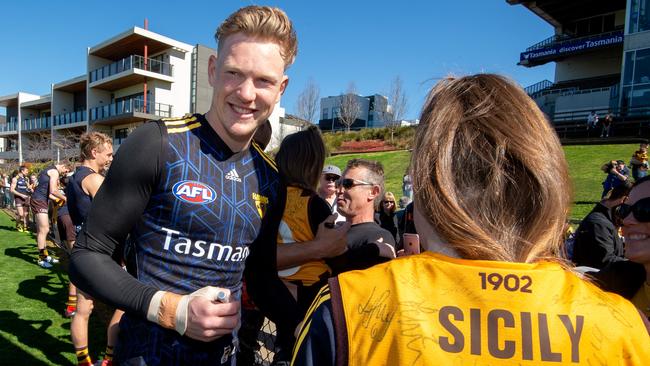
(492, 193)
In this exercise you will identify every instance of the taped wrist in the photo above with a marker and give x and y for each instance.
(163, 308)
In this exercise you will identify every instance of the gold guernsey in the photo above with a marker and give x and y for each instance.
(434, 310)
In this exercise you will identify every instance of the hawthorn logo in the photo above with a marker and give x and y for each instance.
(260, 203)
(194, 192)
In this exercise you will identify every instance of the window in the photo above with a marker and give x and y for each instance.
(325, 113)
(639, 17)
(120, 135)
(636, 79)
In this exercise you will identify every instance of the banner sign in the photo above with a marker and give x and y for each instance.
(569, 47)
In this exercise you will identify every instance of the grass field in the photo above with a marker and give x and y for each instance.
(584, 165)
(32, 328)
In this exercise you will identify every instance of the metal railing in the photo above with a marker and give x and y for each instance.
(37, 123)
(541, 85)
(130, 106)
(68, 118)
(131, 62)
(560, 39)
(11, 125)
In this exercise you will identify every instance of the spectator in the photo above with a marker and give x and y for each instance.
(597, 242)
(407, 185)
(607, 124)
(617, 174)
(592, 120)
(300, 164)
(7, 197)
(385, 216)
(487, 290)
(639, 161)
(327, 188)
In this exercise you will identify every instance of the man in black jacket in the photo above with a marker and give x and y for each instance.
(597, 242)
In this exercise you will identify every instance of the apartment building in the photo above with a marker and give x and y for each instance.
(132, 77)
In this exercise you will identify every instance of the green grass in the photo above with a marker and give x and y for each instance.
(32, 328)
(584, 167)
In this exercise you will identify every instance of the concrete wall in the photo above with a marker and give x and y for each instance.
(636, 41)
(203, 89)
(589, 65)
(597, 100)
(60, 101)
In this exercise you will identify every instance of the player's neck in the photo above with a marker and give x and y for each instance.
(92, 164)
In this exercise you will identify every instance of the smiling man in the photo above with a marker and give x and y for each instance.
(193, 196)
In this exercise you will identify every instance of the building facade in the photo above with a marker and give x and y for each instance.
(374, 111)
(601, 50)
(135, 76)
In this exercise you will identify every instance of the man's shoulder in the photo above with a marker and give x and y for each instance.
(369, 232)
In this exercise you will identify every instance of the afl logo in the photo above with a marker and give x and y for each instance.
(191, 191)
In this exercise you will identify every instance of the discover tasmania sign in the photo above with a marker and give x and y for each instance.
(571, 46)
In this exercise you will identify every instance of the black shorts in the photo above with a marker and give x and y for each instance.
(21, 202)
(66, 228)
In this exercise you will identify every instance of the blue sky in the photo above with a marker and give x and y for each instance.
(368, 43)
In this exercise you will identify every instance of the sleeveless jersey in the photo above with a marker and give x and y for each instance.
(42, 190)
(21, 185)
(78, 201)
(205, 211)
(433, 310)
(295, 229)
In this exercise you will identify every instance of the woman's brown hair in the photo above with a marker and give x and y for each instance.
(301, 157)
(489, 171)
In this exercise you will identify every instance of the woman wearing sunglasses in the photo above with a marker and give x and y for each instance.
(491, 199)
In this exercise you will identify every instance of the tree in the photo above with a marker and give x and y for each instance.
(37, 146)
(398, 102)
(350, 108)
(307, 103)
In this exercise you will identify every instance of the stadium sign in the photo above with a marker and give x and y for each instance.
(569, 47)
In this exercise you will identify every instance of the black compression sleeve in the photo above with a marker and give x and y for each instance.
(116, 208)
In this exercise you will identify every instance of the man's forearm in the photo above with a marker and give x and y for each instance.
(295, 254)
(99, 275)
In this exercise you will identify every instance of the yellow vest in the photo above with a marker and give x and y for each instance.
(295, 229)
(433, 310)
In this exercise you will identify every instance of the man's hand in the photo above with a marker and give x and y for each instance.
(333, 237)
(204, 315)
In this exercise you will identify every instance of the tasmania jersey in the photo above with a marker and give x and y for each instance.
(204, 212)
(430, 309)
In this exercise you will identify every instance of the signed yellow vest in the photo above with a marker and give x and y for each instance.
(433, 310)
(295, 229)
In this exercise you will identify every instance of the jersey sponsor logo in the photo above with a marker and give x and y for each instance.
(178, 244)
(191, 191)
(232, 175)
(260, 203)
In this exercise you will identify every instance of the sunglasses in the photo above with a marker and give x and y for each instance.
(331, 177)
(640, 209)
(348, 183)
(385, 202)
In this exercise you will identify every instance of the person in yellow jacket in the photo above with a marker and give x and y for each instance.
(492, 194)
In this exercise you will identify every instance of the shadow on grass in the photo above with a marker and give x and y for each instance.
(46, 288)
(33, 334)
(21, 253)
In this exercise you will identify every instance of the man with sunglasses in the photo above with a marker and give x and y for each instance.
(327, 187)
(361, 184)
(597, 242)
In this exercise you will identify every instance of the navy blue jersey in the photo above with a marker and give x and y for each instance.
(21, 185)
(78, 201)
(204, 212)
(42, 190)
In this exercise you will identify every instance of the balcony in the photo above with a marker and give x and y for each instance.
(69, 118)
(559, 46)
(40, 123)
(10, 126)
(129, 71)
(130, 110)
